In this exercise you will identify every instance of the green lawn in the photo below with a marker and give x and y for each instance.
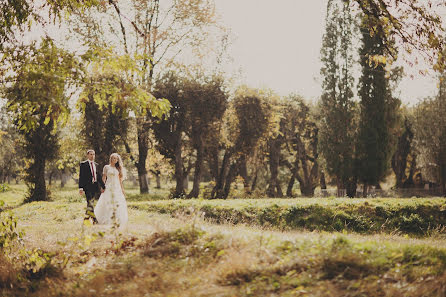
(187, 253)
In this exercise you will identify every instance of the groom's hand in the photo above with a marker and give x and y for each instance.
(81, 192)
(102, 190)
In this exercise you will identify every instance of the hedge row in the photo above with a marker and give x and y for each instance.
(419, 217)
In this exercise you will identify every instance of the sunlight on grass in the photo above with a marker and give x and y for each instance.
(184, 253)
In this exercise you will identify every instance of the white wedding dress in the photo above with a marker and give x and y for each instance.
(111, 208)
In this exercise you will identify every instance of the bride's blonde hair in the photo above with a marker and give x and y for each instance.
(120, 166)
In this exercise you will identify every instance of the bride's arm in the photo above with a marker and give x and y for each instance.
(122, 187)
(104, 174)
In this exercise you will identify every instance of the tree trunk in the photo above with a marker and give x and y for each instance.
(158, 181)
(217, 191)
(50, 178)
(413, 165)
(443, 178)
(289, 190)
(198, 172)
(143, 147)
(351, 187)
(364, 194)
(243, 171)
(322, 181)
(63, 180)
(229, 179)
(37, 180)
(143, 179)
(254, 182)
(179, 176)
(185, 181)
(274, 189)
(307, 190)
(308, 180)
(212, 159)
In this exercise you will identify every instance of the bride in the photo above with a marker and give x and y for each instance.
(112, 207)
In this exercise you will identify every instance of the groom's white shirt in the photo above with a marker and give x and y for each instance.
(93, 165)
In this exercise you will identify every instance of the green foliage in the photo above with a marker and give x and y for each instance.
(430, 135)
(18, 15)
(337, 108)
(300, 132)
(248, 122)
(9, 236)
(111, 85)
(242, 260)
(110, 99)
(4, 187)
(11, 153)
(198, 104)
(409, 217)
(37, 77)
(35, 89)
(388, 22)
(378, 112)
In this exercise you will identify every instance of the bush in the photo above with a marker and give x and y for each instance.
(4, 188)
(411, 217)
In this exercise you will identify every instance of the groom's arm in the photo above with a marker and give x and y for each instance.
(81, 179)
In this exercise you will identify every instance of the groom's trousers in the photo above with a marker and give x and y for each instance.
(91, 194)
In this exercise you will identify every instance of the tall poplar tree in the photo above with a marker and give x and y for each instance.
(337, 129)
(378, 110)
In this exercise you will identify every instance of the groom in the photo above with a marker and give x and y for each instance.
(90, 183)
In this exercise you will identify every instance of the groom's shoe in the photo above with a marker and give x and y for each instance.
(91, 220)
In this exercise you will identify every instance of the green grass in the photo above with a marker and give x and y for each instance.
(186, 255)
(420, 216)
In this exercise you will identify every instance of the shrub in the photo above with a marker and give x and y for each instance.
(4, 188)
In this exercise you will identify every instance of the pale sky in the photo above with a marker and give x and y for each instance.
(277, 45)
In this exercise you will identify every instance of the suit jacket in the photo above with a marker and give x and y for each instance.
(86, 177)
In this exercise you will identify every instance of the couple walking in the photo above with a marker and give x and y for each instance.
(111, 207)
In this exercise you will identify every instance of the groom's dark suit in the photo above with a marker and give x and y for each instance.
(91, 185)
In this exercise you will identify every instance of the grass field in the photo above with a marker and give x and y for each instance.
(246, 247)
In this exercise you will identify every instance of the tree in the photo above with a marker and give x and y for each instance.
(170, 132)
(404, 159)
(206, 102)
(67, 163)
(301, 134)
(18, 15)
(337, 129)
(246, 122)
(418, 25)
(103, 126)
(108, 99)
(378, 112)
(35, 90)
(275, 144)
(430, 136)
(153, 34)
(11, 154)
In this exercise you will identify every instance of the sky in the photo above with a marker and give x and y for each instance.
(276, 44)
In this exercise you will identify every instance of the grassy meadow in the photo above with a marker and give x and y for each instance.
(243, 247)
